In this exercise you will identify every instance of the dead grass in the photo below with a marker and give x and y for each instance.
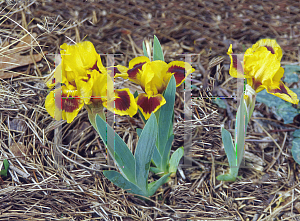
(56, 168)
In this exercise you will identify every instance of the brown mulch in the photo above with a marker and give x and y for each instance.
(55, 167)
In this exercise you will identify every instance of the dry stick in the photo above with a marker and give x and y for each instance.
(11, 152)
(17, 170)
(132, 45)
(33, 38)
(73, 161)
(274, 160)
(72, 179)
(22, 168)
(77, 35)
(276, 211)
(34, 62)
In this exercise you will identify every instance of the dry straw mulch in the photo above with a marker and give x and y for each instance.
(55, 167)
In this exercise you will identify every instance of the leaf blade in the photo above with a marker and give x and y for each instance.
(229, 147)
(144, 152)
(165, 116)
(175, 158)
(157, 50)
(118, 151)
(120, 181)
(156, 184)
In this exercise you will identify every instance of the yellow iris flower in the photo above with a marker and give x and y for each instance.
(84, 81)
(261, 67)
(153, 77)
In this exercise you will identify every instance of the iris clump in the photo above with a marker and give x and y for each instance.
(262, 70)
(82, 81)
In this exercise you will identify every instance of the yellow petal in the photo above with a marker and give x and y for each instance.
(51, 83)
(271, 46)
(152, 77)
(78, 58)
(138, 60)
(124, 103)
(71, 105)
(50, 104)
(236, 66)
(103, 89)
(263, 67)
(180, 69)
(135, 69)
(119, 71)
(85, 84)
(81, 55)
(100, 66)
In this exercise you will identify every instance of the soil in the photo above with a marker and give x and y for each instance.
(65, 182)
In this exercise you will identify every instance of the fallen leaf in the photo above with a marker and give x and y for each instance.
(12, 58)
(297, 206)
(18, 149)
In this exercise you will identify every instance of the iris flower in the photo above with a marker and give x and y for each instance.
(153, 77)
(84, 81)
(262, 69)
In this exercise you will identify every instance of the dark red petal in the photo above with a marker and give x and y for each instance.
(256, 84)
(95, 67)
(148, 104)
(135, 70)
(86, 80)
(68, 104)
(234, 61)
(123, 102)
(179, 73)
(72, 83)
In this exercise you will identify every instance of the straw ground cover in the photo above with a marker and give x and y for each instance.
(46, 182)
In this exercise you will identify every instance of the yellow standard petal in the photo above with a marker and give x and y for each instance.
(85, 84)
(262, 68)
(271, 46)
(78, 58)
(82, 55)
(152, 77)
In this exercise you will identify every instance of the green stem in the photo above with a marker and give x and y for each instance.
(92, 111)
